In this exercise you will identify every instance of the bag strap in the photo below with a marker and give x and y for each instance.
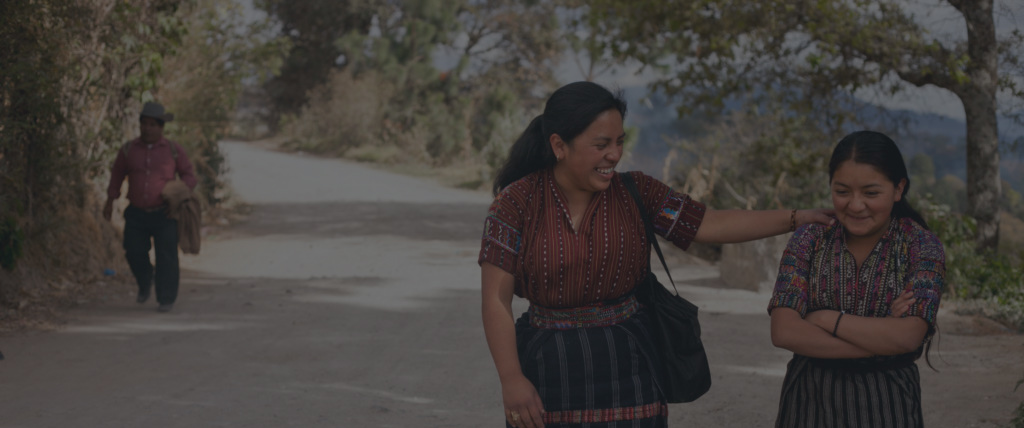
(627, 179)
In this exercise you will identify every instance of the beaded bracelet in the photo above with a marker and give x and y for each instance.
(792, 221)
(836, 328)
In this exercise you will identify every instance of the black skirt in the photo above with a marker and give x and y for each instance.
(596, 377)
(850, 393)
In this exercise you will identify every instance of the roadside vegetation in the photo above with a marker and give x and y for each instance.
(761, 90)
(387, 101)
(73, 77)
(443, 88)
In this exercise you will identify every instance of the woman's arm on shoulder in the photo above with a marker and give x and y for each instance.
(729, 226)
(681, 219)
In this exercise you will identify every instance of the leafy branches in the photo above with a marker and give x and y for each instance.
(203, 79)
(433, 82)
(70, 71)
(813, 58)
(312, 29)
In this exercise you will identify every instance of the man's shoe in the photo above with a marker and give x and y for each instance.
(165, 307)
(142, 297)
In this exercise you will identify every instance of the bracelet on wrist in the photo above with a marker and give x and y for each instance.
(836, 328)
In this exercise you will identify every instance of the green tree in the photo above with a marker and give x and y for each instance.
(435, 83)
(425, 105)
(507, 44)
(500, 53)
(72, 75)
(507, 50)
(809, 57)
(69, 70)
(202, 81)
(755, 160)
(312, 27)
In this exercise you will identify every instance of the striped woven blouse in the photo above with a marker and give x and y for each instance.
(528, 233)
(817, 272)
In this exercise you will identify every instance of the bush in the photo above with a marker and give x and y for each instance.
(993, 281)
(343, 114)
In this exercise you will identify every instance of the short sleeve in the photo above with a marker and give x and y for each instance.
(503, 239)
(675, 216)
(925, 274)
(793, 283)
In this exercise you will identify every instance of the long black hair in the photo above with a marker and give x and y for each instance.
(568, 112)
(880, 151)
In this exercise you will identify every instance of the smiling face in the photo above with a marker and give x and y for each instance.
(863, 198)
(587, 163)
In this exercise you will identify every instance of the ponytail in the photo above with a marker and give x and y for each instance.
(530, 153)
(902, 209)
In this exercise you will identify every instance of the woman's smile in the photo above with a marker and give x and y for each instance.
(863, 198)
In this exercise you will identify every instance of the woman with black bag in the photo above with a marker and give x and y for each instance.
(565, 233)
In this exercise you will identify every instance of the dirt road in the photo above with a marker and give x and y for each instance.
(349, 298)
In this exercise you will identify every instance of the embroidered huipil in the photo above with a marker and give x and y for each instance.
(148, 168)
(818, 272)
(529, 233)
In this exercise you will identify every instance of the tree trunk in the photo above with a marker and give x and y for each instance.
(978, 94)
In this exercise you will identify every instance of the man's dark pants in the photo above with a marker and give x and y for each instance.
(139, 227)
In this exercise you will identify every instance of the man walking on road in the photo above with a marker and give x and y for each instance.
(149, 162)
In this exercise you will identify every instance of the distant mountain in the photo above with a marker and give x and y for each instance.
(940, 137)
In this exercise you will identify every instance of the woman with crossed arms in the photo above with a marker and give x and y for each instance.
(856, 301)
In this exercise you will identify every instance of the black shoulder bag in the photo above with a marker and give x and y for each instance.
(674, 326)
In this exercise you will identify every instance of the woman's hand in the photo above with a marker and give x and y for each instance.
(820, 216)
(523, 408)
(901, 304)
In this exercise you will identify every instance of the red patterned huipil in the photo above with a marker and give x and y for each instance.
(529, 233)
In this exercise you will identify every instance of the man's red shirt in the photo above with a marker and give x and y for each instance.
(148, 167)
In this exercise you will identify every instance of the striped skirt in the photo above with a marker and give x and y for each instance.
(589, 374)
(850, 393)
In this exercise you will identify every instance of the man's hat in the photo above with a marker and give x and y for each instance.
(156, 111)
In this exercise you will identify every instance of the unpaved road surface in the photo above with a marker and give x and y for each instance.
(349, 298)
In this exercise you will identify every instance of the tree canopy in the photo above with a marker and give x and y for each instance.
(812, 58)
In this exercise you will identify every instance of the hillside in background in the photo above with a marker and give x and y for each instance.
(942, 138)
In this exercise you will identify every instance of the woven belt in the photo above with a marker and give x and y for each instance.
(598, 315)
(869, 364)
